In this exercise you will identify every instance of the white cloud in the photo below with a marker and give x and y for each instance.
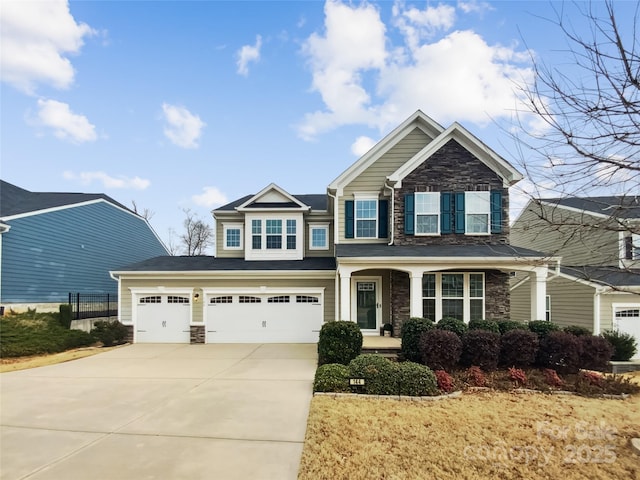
(86, 178)
(210, 197)
(248, 54)
(66, 124)
(474, 6)
(364, 79)
(35, 38)
(183, 128)
(362, 145)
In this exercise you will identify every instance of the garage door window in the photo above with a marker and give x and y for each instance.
(248, 299)
(628, 313)
(175, 299)
(154, 299)
(279, 299)
(225, 299)
(306, 299)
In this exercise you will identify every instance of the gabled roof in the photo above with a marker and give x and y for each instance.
(417, 120)
(18, 201)
(317, 202)
(272, 197)
(604, 276)
(471, 143)
(621, 206)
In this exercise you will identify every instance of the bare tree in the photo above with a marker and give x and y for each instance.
(172, 246)
(197, 236)
(589, 143)
(144, 213)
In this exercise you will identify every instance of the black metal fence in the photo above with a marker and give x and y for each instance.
(93, 305)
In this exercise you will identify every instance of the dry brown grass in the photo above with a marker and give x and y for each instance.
(480, 435)
(21, 363)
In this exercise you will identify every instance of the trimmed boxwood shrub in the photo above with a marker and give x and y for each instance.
(508, 325)
(577, 330)
(65, 315)
(339, 342)
(331, 377)
(379, 373)
(488, 325)
(595, 352)
(453, 325)
(481, 348)
(109, 333)
(560, 351)
(416, 380)
(518, 348)
(440, 349)
(542, 327)
(411, 331)
(77, 339)
(624, 345)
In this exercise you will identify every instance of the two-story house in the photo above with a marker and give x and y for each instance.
(417, 227)
(598, 238)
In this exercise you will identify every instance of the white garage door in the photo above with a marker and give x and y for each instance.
(163, 319)
(627, 320)
(263, 318)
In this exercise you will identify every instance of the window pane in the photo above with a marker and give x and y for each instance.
(233, 237)
(319, 237)
(427, 224)
(475, 307)
(366, 209)
(274, 242)
(477, 202)
(429, 285)
(291, 242)
(256, 242)
(256, 227)
(291, 227)
(427, 202)
(452, 308)
(452, 285)
(429, 309)
(366, 229)
(476, 287)
(274, 227)
(478, 223)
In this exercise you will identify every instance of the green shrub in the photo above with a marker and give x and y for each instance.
(109, 333)
(560, 351)
(481, 348)
(508, 325)
(453, 325)
(65, 315)
(488, 325)
(416, 380)
(77, 339)
(542, 327)
(410, 333)
(624, 345)
(595, 352)
(518, 348)
(380, 374)
(577, 330)
(339, 342)
(332, 377)
(440, 349)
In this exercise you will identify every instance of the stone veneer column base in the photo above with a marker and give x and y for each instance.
(197, 333)
(129, 337)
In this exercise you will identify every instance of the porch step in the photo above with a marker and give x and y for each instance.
(388, 352)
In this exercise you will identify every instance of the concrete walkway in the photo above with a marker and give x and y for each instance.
(160, 412)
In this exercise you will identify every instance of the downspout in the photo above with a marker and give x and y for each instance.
(117, 279)
(391, 223)
(596, 311)
(336, 306)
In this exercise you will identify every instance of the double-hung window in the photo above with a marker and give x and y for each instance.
(256, 234)
(427, 212)
(477, 212)
(274, 234)
(291, 234)
(366, 218)
(459, 295)
(635, 246)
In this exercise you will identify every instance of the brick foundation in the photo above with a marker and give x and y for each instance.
(129, 337)
(197, 333)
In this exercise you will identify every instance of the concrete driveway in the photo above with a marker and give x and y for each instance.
(160, 412)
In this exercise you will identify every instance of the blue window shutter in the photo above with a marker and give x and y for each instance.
(496, 211)
(348, 219)
(446, 213)
(383, 218)
(459, 212)
(408, 214)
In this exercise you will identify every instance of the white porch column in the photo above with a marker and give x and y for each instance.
(345, 295)
(415, 295)
(538, 279)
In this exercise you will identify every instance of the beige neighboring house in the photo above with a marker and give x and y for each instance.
(598, 238)
(418, 226)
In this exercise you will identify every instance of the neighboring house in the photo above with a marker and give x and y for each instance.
(598, 238)
(418, 226)
(55, 243)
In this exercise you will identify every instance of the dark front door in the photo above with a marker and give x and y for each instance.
(366, 305)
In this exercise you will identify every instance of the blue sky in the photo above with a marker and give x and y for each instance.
(193, 104)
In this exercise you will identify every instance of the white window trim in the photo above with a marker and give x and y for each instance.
(323, 226)
(415, 214)
(467, 213)
(232, 226)
(282, 253)
(359, 198)
(466, 299)
(635, 244)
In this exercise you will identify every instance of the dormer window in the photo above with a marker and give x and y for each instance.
(274, 236)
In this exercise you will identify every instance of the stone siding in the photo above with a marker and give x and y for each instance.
(450, 169)
(197, 333)
(400, 291)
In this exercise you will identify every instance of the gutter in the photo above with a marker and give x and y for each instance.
(335, 220)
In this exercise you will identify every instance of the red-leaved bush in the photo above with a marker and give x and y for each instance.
(518, 376)
(552, 378)
(594, 378)
(445, 382)
(476, 377)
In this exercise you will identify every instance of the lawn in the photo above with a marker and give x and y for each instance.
(497, 435)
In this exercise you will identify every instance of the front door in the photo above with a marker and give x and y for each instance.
(367, 304)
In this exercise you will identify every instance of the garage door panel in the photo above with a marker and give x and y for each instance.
(162, 322)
